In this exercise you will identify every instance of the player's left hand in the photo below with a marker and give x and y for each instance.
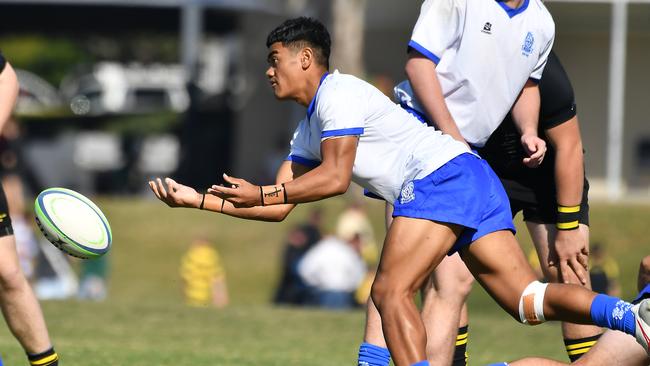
(571, 256)
(240, 192)
(534, 148)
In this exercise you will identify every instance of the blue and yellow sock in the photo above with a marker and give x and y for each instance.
(460, 351)
(613, 313)
(371, 355)
(47, 358)
(575, 348)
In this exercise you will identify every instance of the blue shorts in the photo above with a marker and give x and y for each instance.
(465, 191)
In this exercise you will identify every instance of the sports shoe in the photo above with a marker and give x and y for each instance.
(642, 319)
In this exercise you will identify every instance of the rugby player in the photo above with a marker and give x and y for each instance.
(446, 198)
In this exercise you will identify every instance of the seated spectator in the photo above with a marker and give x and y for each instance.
(333, 269)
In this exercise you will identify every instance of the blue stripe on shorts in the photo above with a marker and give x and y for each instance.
(465, 191)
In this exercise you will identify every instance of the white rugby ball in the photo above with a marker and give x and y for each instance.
(73, 223)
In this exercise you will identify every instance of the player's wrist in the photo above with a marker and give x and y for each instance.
(273, 195)
(199, 201)
(568, 217)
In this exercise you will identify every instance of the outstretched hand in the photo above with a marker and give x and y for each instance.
(534, 148)
(240, 193)
(175, 194)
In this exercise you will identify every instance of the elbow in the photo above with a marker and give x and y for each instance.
(280, 215)
(410, 69)
(340, 185)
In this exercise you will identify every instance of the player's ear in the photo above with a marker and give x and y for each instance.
(306, 57)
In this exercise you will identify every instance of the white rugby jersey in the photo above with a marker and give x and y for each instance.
(394, 147)
(484, 52)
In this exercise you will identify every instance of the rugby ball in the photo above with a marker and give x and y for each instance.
(73, 223)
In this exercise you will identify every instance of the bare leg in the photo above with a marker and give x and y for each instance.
(543, 236)
(506, 280)
(19, 305)
(373, 334)
(613, 349)
(413, 248)
(444, 297)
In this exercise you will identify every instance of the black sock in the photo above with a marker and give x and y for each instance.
(47, 358)
(575, 348)
(460, 352)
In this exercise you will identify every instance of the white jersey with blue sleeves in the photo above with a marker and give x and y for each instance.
(484, 52)
(394, 147)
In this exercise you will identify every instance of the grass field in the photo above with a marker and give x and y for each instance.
(144, 321)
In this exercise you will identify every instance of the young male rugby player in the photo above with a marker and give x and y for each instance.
(446, 198)
(17, 301)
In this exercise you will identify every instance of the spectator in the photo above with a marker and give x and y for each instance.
(291, 289)
(92, 285)
(203, 276)
(333, 269)
(354, 220)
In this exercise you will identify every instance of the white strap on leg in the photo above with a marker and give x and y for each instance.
(531, 303)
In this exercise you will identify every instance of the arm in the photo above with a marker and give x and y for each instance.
(571, 246)
(525, 113)
(8, 93)
(177, 195)
(332, 177)
(423, 77)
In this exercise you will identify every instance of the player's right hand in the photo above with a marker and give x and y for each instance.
(175, 194)
(534, 148)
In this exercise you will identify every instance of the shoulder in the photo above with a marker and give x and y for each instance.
(545, 18)
(442, 7)
(341, 88)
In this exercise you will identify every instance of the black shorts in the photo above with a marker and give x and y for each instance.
(5, 220)
(538, 199)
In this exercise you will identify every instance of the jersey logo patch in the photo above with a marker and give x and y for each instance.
(527, 47)
(408, 193)
(487, 28)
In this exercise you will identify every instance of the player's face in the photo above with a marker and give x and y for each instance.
(284, 70)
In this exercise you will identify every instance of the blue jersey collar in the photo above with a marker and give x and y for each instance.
(512, 12)
(312, 104)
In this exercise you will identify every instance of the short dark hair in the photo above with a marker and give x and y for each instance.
(301, 32)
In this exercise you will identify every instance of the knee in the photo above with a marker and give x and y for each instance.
(11, 278)
(385, 292)
(645, 265)
(531, 304)
(457, 288)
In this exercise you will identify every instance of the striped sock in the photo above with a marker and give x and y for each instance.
(575, 348)
(47, 358)
(460, 351)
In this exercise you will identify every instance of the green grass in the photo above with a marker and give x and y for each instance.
(144, 321)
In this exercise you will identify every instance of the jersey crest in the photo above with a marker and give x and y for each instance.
(408, 193)
(527, 47)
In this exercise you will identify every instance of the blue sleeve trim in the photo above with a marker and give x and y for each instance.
(536, 81)
(369, 194)
(303, 161)
(342, 132)
(426, 53)
(421, 117)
